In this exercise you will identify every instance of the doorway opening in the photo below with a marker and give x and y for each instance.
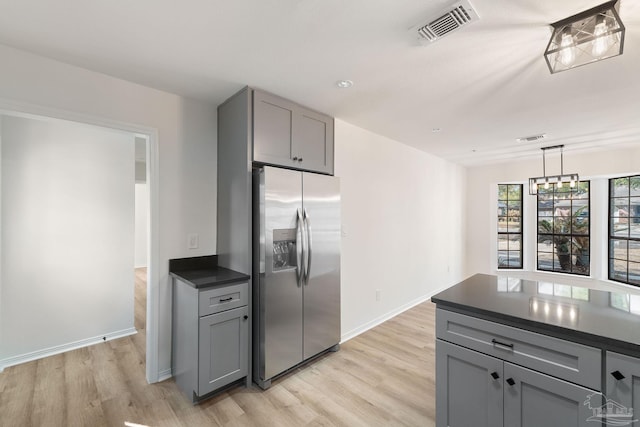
(64, 223)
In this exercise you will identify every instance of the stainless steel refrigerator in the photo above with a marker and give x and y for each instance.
(296, 271)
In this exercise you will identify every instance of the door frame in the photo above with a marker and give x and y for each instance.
(20, 109)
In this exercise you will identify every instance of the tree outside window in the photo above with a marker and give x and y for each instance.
(563, 229)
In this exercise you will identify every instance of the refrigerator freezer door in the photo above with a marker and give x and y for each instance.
(322, 285)
(280, 287)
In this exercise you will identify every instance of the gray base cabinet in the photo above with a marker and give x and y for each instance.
(489, 374)
(477, 390)
(622, 389)
(210, 337)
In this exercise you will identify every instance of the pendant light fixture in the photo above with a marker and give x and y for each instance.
(560, 180)
(589, 36)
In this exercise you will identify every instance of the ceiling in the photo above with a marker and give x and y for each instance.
(483, 86)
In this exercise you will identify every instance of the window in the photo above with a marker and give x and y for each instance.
(509, 226)
(624, 230)
(563, 228)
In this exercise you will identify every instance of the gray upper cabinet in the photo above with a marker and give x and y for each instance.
(272, 129)
(287, 134)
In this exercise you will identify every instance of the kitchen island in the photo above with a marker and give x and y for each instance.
(516, 352)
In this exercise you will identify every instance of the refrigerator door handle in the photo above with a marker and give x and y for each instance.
(307, 223)
(300, 242)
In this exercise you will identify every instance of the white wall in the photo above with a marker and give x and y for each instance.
(403, 209)
(402, 216)
(67, 234)
(141, 222)
(186, 132)
(482, 189)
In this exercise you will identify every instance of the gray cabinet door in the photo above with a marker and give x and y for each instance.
(313, 141)
(287, 134)
(223, 352)
(468, 387)
(535, 400)
(272, 129)
(622, 389)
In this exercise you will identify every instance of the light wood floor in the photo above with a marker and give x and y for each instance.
(384, 377)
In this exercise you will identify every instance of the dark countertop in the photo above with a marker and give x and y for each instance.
(608, 320)
(204, 272)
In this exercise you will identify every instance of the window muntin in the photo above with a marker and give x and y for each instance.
(509, 226)
(624, 230)
(563, 229)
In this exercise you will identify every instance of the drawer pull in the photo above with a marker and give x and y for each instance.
(245, 317)
(617, 375)
(497, 343)
(510, 381)
(226, 299)
(495, 375)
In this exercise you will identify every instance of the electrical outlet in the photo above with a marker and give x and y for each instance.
(193, 241)
(378, 294)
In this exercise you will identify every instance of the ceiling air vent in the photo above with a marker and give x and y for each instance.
(532, 138)
(457, 15)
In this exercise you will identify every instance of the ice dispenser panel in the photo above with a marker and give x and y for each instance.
(284, 249)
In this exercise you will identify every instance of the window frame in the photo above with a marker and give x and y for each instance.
(611, 237)
(574, 268)
(509, 233)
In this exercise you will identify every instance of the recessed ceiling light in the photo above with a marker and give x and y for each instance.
(344, 84)
(436, 130)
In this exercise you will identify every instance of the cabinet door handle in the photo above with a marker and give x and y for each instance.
(300, 159)
(495, 342)
(226, 299)
(295, 159)
(510, 381)
(245, 317)
(617, 375)
(495, 375)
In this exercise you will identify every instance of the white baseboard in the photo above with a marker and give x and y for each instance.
(165, 374)
(391, 314)
(39, 354)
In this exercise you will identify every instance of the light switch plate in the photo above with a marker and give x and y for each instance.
(193, 241)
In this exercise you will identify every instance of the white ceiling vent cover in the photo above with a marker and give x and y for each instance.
(532, 138)
(457, 15)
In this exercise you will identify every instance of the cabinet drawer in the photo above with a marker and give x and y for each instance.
(567, 360)
(223, 298)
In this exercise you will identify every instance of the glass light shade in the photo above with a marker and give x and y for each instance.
(587, 37)
(567, 52)
(544, 181)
